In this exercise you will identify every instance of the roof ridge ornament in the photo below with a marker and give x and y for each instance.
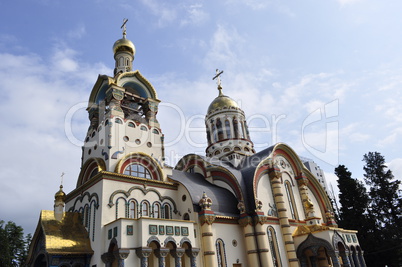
(218, 81)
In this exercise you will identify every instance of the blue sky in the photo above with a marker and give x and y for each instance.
(323, 76)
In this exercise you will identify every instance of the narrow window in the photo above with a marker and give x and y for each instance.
(214, 133)
(291, 200)
(242, 129)
(236, 128)
(220, 253)
(273, 243)
(227, 126)
(166, 211)
(131, 210)
(157, 209)
(219, 128)
(144, 209)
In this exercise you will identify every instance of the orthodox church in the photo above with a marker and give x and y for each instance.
(232, 207)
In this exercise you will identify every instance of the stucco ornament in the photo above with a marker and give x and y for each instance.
(205, 202)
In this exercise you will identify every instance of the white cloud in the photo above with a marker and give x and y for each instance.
(77, 33)
(395, 165)
(348, 2)
(195, 15)
(35, 96)
(165, 14)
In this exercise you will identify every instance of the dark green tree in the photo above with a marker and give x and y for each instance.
(353, 199)
(13, 245)
(385, 208)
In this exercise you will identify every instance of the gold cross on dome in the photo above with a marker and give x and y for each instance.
(124, 26)
(61, 176)
(218, 80)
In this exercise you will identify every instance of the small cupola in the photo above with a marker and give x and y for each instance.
(59, 202)
(227, 131)
(124, 52)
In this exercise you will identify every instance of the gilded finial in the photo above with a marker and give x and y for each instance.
(218, 81)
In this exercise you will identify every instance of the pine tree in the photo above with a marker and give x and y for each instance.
(385, 208)
(353, 199)
(13, 245)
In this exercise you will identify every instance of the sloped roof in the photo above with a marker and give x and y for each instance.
(67, 236)
(223, 201)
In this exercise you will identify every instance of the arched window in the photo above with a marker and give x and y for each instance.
(220, 253)
(242, 129)
(157, 210)
(121, 60)
(137, 170)
(118, 121)
(236, 128)
(143, 128)
(155, 131)
(291, 200)
(132, 209)
(208, 136)
(273, 243)
(131, 124)
(214, 134)
(87, 217)
(145, 209)
(219, 129)
(246, 128)
(227, 128)
(166, 211)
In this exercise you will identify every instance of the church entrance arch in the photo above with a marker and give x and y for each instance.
(316, 252)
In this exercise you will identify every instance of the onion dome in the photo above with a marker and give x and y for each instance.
(60, 195)
(124, 44)
(220, 102)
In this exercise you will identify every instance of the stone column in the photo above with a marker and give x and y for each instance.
(275, 176)
(121, 255)
(249, 237)
(151, 109)
(107, 258)
(114, 95)
(143, 253)
(352, 260)
(192, 254)
(261, 235)
(345, 259)
(207, 217)
(161, 253)
(177, 254)
(362, 262)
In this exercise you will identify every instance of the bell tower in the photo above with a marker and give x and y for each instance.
(227, 131)
(122, 112)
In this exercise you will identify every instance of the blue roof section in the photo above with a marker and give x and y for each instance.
(223, 201)
(247, 168)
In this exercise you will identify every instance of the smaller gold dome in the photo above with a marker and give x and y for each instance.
(222, 101)
(124, 44)
(60, 195)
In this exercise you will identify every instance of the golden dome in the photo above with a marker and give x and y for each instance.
(124, 44)
(60, 195)
(222, 101)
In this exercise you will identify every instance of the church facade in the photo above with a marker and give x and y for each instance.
(232, 207)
